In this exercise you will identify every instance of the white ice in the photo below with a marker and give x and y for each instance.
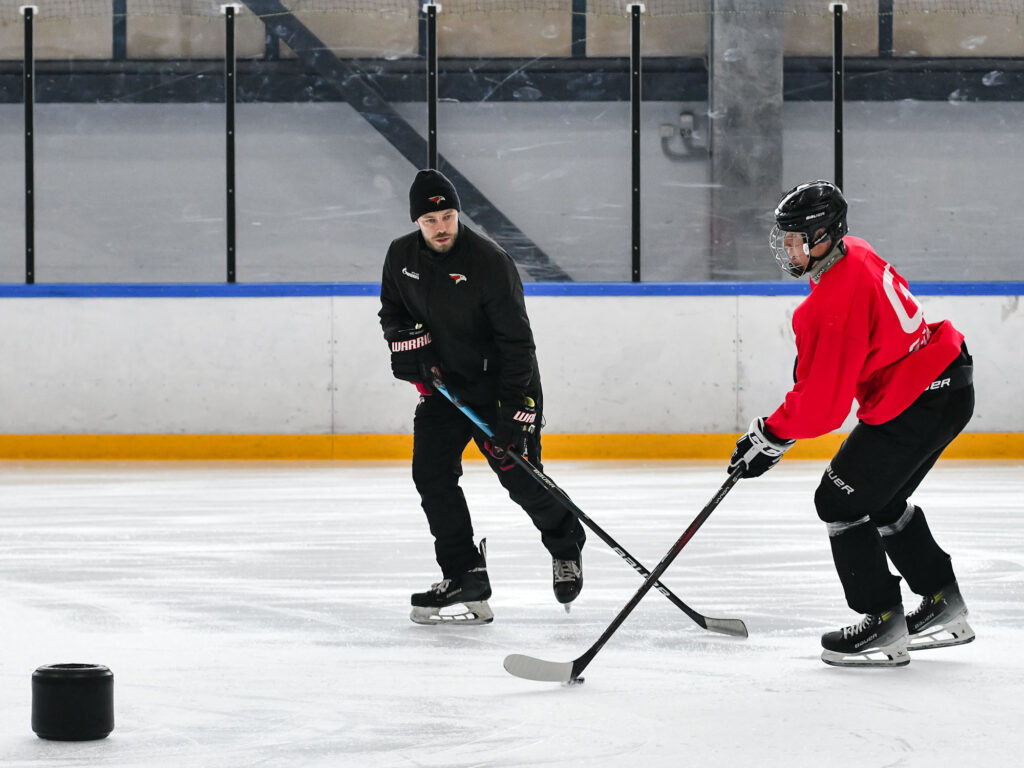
(256, 614)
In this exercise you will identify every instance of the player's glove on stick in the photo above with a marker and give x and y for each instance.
(758, 450)
(412, 355)
(517, 420)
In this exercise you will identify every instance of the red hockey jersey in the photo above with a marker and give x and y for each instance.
(860, 335)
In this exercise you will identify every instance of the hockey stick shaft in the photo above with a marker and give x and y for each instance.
(538, 669)
(734, 627)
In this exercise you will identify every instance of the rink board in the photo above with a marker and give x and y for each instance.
(307, 376)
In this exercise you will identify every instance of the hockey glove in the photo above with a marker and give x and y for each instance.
(758, 450)
(412, 355)
(516, 422)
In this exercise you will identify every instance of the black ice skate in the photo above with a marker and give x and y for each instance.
(567, 579)
(461, 600)
(877, 640)
(940, 620)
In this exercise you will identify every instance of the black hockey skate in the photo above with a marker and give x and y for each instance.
(464, 596)
(940, 620)
(877, 640)
(567, 579)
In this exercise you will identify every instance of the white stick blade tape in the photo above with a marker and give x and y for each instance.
(529, 668)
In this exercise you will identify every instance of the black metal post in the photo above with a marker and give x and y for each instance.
(230, 70)
(431, 41)
(119, 50)
(635, 9)
(30, 100)
(578, 28)
(837, 90)
(885, 29)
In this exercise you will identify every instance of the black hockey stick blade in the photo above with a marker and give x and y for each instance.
(732, 627)
(530, 668)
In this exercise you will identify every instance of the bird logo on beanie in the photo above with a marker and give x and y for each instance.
(436, 199)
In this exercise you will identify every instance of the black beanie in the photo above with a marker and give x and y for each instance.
(430, 192)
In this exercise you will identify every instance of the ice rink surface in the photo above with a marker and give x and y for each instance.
(256, 614)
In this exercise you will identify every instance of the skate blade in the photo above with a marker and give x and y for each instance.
(459, 614)
(888, 656)
(957, 632)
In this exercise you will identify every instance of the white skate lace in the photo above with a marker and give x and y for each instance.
(860, 626)
(441, 586)
(921, 608)
(566, 570)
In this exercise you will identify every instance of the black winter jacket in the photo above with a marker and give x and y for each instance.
(471, 301)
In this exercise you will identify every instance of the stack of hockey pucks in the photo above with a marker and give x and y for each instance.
(72, 702)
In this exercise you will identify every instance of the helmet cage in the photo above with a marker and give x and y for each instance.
(778, 240)
(817, 212)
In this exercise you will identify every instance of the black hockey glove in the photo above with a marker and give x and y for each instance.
(412, 355)
(517, 421)
(758, 450)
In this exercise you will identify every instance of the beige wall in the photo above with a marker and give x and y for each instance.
(347, 35)
(191, 37)
(956, 34)
(687, 35)
(505, 33)
(481, 35)
(364, 35)
(282, 365)
(659, 35)
(807, 35)
(60, 38)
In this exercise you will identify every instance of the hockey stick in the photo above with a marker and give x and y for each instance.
(733, 627)
(531, 668)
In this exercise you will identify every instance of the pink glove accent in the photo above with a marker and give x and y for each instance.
(422, 388)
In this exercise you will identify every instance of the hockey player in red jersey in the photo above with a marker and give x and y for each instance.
(861, 335)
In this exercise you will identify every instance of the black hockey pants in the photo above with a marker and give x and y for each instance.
(440, 434)
(863, 495)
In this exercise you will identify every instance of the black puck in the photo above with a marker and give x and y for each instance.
(72, 702)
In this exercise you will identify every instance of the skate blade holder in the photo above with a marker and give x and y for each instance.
(72, 702)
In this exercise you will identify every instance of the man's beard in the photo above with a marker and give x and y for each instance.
(442, 247)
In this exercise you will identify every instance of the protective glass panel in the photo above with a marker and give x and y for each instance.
(12, 195)
(129, 193)
(131, 169)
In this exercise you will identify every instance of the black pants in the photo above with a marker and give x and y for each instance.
(440, 434)
(864, 496)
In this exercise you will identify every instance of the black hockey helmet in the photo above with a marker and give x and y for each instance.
(817, 210)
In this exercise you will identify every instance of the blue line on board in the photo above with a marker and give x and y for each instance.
(185, 290)
(227, 290)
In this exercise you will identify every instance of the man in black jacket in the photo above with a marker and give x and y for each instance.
(452, 301)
